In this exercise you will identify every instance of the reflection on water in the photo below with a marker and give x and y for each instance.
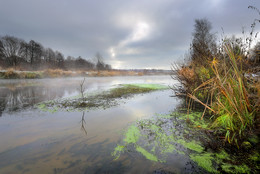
(18, 98)
(83, 123)
(33, 141)
(18, 94)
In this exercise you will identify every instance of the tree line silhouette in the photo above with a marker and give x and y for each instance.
(19, 54)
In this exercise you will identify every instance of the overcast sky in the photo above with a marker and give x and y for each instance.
(127, 33)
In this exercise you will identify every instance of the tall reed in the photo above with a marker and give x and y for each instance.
(230, 103)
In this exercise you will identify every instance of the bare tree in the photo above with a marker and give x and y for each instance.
(25, 51)
(82, 89)
(35, 52)
(59, 59)
(10, 48)
(15, 51)
(49, 55)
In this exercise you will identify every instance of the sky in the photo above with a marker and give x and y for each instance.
(129, 34)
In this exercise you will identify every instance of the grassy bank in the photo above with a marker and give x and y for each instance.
(56, 73)
(218, 79)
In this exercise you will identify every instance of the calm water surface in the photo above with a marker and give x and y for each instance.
(33, 141)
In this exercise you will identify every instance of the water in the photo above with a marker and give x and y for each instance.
(33, 141)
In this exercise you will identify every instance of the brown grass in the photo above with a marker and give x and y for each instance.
(10, 73)
(55, 73)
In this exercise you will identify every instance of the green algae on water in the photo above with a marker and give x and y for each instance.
(117, 151)
(156, 139)
(132, 135)
(193, 145)
(204, 160)
(145, 153)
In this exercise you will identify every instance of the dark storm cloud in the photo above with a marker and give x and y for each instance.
(129, 34)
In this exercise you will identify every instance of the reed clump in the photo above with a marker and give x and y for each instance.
(224, 91)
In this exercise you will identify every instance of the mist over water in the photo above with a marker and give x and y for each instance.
(80, 142)
(19, 94)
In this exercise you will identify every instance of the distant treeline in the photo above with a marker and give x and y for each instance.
(19, 54)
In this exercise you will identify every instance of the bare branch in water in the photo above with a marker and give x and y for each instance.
(82, 88)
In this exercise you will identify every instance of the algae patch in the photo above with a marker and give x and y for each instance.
(204, 160)
(156, 139)
(193, 145)
(145, 153)
(160, 138)
(117, 151)
(132, 135)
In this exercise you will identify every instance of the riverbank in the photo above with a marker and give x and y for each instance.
(225, 89)
(56, 73)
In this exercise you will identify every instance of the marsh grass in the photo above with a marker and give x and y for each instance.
(13, 74)
(228, 97)
(57, 73)
(130, 89)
